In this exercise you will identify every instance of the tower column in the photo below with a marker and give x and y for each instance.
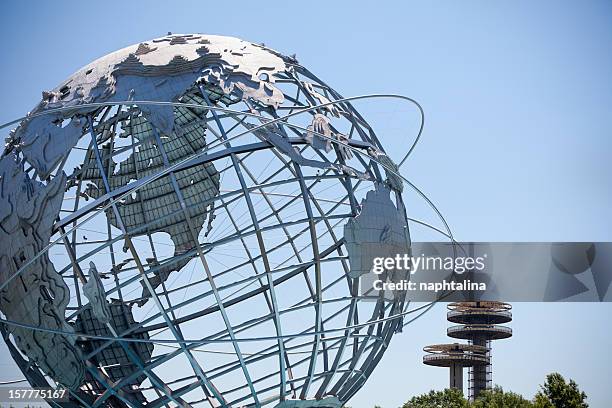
(456, 376)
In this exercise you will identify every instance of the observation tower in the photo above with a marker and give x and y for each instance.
(480, 323)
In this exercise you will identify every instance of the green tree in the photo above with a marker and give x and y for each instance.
(541, 401)
(560, 394)
(555, 393)
(449, 398)
(497, 398)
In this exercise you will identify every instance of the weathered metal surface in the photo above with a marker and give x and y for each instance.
(38, 295)
(377, 231)
(94, 292)
(114, 359)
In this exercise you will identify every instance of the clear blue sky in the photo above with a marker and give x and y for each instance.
(516, 147)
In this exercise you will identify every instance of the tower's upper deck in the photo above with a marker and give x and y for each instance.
(481, 312)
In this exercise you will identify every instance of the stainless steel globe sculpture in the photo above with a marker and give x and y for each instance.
(184, 222)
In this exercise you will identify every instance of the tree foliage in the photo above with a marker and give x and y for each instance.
(560, 394)
(449, 398)
(497, 398)
(554, 393)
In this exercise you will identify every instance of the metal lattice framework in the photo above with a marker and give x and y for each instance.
(206, 259)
